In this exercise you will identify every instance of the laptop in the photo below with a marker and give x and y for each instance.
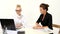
(8, 23)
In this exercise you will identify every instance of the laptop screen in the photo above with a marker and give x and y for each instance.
(8, 23)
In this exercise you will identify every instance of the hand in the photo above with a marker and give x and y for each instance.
(18, 25)
(35, 27)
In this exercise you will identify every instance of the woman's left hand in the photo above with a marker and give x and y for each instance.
(38, 27)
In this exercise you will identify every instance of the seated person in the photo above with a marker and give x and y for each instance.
(19, 18)
(45, 18)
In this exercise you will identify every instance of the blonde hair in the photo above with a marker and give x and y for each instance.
(18, 5)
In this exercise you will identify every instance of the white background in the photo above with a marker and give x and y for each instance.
(30, 9)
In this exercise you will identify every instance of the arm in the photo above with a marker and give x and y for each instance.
(37, 23)
(50, 22)
(18, 25)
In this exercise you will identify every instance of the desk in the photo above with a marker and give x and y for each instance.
(33, 31)
(29, 31)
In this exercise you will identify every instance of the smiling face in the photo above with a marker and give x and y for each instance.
(43, 8)
(18, 9)
(42, 11)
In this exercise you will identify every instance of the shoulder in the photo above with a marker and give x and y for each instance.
(23, 17)
(49, 14)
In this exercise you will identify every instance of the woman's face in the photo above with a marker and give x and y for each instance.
(42, 11)
(18, 10)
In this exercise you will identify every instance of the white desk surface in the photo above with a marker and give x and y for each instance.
(33, 31)
(28, 31)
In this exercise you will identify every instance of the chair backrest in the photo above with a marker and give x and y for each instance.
(55, 25)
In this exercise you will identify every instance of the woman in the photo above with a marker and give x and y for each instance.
(19, 18)
(45, 18)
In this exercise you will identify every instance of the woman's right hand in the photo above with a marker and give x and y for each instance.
(18, 25)
(37, 26)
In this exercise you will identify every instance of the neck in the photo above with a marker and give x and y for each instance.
(44, 13)
(19, 14)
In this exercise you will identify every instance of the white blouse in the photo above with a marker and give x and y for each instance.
(19, 19)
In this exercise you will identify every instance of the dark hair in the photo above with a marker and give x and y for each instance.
(44, 6)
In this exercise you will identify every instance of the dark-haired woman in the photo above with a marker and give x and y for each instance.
(45, 18)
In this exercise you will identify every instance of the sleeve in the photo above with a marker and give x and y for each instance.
(50, 22)
(39, 19)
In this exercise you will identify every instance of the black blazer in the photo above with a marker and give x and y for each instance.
(47, 20)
